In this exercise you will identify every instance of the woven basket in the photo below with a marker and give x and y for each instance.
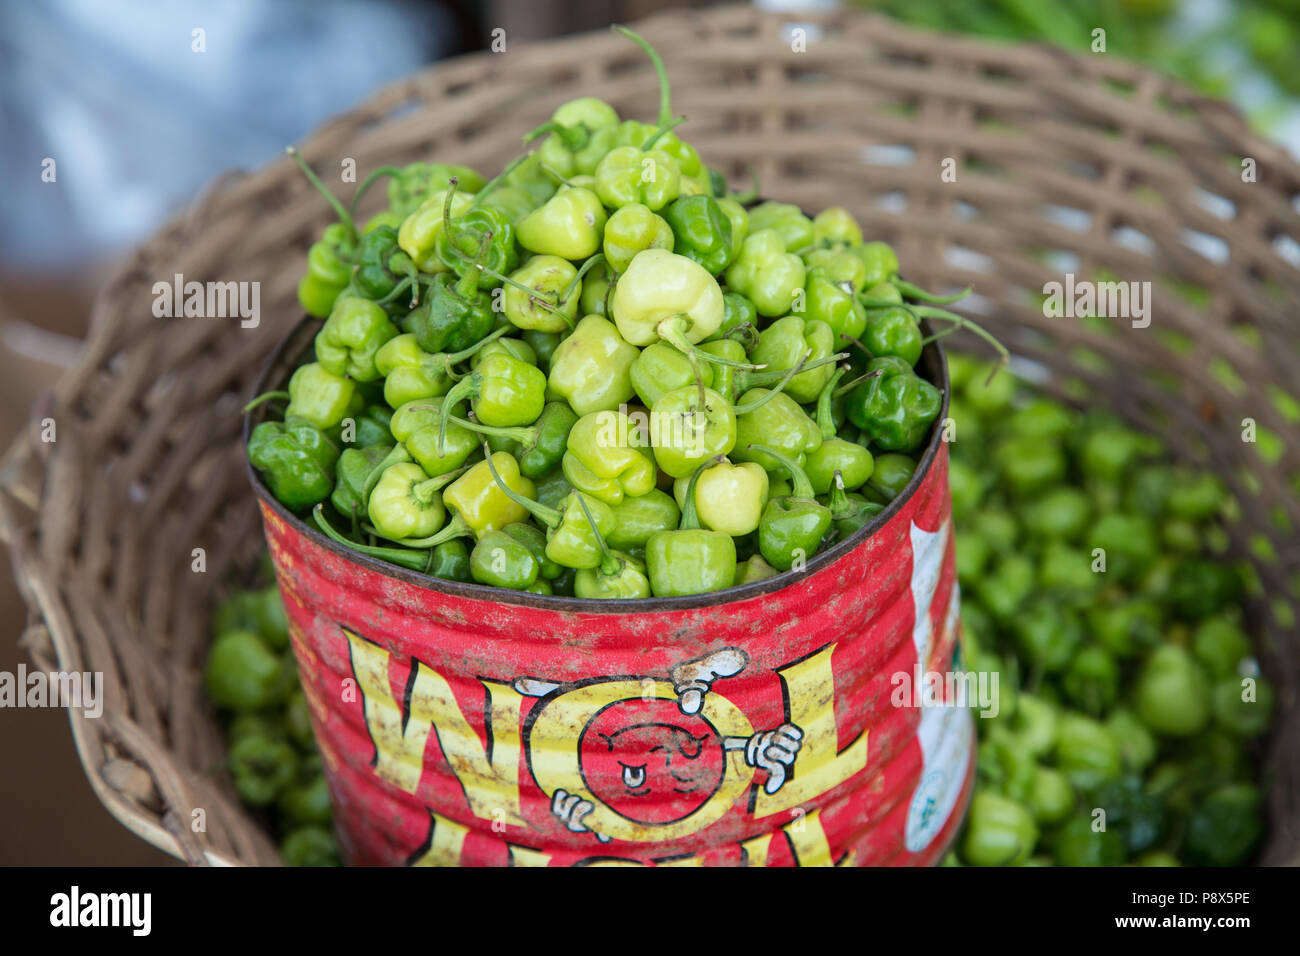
(147, 465)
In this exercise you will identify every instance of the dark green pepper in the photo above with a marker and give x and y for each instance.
(792, 526)
(701, 232)
(895, 408)
(296, 459)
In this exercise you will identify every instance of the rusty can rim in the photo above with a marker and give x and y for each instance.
(275, 373)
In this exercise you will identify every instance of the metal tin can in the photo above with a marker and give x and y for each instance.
(784, 722)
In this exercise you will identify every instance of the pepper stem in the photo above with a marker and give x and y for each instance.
(930, 312)
(845, 389)
(263, 398)
(425, 490)
(673, 331)
(550, 517)
(499, 178)
(398, 455)
(586, 267)
(773, 392)
(665, 91)
(525, 435)
(452, 358)
(534, 295)
(456, 528)
(467, 284)
(344, 216)
(610, 565)
(910, 291)
(664, 129)
(572, 135)
(840, 505)
(690, 517)
(802, 486)
(825, 415)
(464, 388)
(555, 174)
(369, 181)
(415, 560)
(748, 380)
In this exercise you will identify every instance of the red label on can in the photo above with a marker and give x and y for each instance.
(790, 728)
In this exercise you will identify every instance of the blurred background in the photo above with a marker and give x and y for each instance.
(116, 115)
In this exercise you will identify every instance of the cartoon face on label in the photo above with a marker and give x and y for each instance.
(649, 762)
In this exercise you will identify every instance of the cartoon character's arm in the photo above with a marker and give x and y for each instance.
(693, 679)
(771, 750)
(569, 809)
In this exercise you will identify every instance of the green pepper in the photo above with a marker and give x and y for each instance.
(1091, 680)
(1046, 632)
(1137, 746)
(628, 175)
(1226, 828)
(605, 458)
(754, 569)
(478, 242)
(421, 230)
(1050, 797)
(637, 518)
(571, 538)
(835, 224)
(779, 423)
(890, 474)
(851, 512)
(617, 576)
(1066, 570)
(1034, 724)
(999, 831)
(455, 314)
(543, 295)
(1060, 514)
(729, 498)
(591, 369)
(307, 798)
(843, 268)
(310, 846)
(1086, 752)
(690, 560)
(701, 232)
(595, 287)
(879, 258)
(321, 397)
(411, 373)
(569, 149)
(504, 392)
(792, 526)
(833, 303)
(660, 368)
(895, 408)
(370, 427)
(1241, 712)
(1172, 693)
(381, 264)
(1127, 628)
(503, 561)
(1200, 588)
(515, 348)
(631, 230)
(1220, 645)
(787, 342)
(261, 767)
(242, 672)
(538, 447)
(352, 474)
(409, 186)
(850, 460)
(664, 295)
(329, 268)
(893, 332)
(404, 502)
(786, 220)
(737, 311)
(296, 459)
(1138, 816)
(1029, 465)
(766, 273)
(569, 225)
(1078, 843)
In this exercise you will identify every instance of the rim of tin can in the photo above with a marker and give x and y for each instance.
(279, 366)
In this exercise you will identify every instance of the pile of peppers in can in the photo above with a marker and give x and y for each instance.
(599, 374)
(1093, 581)
(271, 754)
